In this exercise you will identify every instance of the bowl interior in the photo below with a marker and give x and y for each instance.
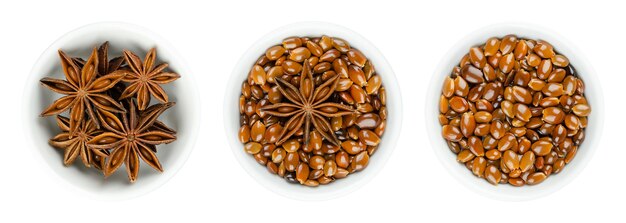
(339, 187)
(593, 93)
(79, 43)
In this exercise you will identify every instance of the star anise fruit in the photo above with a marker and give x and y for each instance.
(75, 147)
(132, 138)
(105, 66)
(307, 105)
(84, 91)
(145, 79)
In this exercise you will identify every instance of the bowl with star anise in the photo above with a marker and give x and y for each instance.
(312, 111)
(111, 108)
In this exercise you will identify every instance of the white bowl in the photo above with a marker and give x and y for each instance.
(184, 116)
(340, 187)
(593, 132)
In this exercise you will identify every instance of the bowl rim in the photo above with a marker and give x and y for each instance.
(555, 182)
(349, 184)
(29, 92)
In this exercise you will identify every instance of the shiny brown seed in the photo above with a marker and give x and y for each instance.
(510, 159)
(275, 52)
(244, 134)
(536, 84)
(528, 161)
(553, 115)
(341, 45)
(582, 110)
(257, 132)
(341, 173)
(316, 162)
(368, 121)
(541, 147)
(522, 95)
(507, 142)
(330, 168)
(373, 84)
(252, 147)
(458, 104)
(508, 44)
(464, 156)
(356, 57)
(448, 87)
(522, 112)
(491, 46)
(472, 74)
(493, 174)
(292, 43)
(493, 154)
(351, 147)
(314, 48)
(451, 133)
(536, 178)
(479, 166)
(461, 87)
(544, 69)
(483, 117)
(369, 138)
(302, 173)
(291, 145)
(497, 129)
(291, 67)
(358, 94)
(356, 75)
(476, 146)
(553, 90)
(521, 49)
(572, 122)
(544, 49)
(468, 124)
(258, 75)
(360, 161)
(477, 58)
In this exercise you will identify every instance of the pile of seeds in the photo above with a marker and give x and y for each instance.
(312, 110)
(514, 111)
(110, 122)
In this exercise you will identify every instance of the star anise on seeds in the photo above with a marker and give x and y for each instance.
(132, 138)
(76, 146)
(145, 79)
(84, 91)
(307, 105)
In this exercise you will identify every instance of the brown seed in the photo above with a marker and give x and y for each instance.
(507, 63)
(492, 46)
(368, 121)
(257, 131)
(479, 166)
(522, 95)
(461, 88)
(553, 115)
(330, 168)
(544, 49)
(553, 90)
(275, 52)
(369, 138)
(510, 159)
(536, 178)
(528, 161)
(536, 84)
(316, 162)
(582, 110)
(572, 122)
(448, 87)
(483, 117)
(342, 159)
(493, 175)
(493, 154)
(291, 67)
(356, 75)
(278, 155)
(292, 43)
(541, 147)
(472, 74)
(507, 142)
(476, 146)
(521, 49)
(244, 133)
(360, 161)
(508, 44)
(258, 75)
(464, 156)
(341, 173)
(452, 133)
(459, 104)
(252, 147)
(351, 147)
(497, 129)
(314, 48)
(302, 173)
(291, 145)
(522, 112)
(341, 45)
(468, 124)
(373, 84)
(544, 69)
(356, 57)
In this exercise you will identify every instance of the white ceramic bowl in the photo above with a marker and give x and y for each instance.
(593, 133)
(274, 182)
(184, 116)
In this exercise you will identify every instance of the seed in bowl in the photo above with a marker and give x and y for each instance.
(313, 110)
(110, 122)
(514, 111)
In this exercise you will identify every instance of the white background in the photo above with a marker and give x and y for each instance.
(212, 186)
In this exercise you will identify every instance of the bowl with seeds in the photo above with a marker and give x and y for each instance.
(518, 111)
(113, 110)
(312, 111)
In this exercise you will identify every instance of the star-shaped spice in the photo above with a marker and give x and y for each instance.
(105, 66)
(84, 91)
(132, 138)
(76, 146)
(145, 79)
(307, 105)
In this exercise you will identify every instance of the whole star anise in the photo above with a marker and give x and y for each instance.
(84, 91)
(132, 138)
(307, 105)
(144, 79)
(75, 147)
